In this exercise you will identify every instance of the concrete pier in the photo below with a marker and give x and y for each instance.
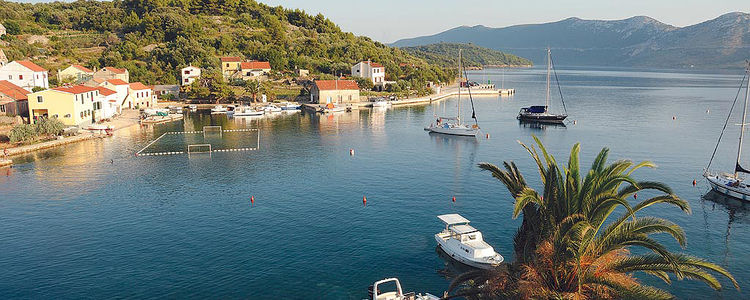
(4, 163)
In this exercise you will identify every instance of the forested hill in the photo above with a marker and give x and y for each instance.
(445, 54)
(154, 38)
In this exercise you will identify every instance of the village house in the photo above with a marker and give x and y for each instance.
(230, 66)
(112, 73)
(25, 74)
(303, 73)
(370, 70)
(189, 75)
(140, 96)
(13, 100)
(255, 70)
(334, 91)
(109, 105)
(165, 90)
(121, 89)
(75, 73)
(3, 58)
(72, 105)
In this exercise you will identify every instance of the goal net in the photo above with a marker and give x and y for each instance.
(199, 148)
(212, 130)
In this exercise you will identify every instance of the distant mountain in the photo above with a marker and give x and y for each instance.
(636, 41)
(446, 54)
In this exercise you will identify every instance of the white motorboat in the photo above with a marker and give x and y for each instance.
(156, 111)
(331, 108)
(375, 292)
(465, 244)
(291, 106)
(381, 103)
(453, 125)
(733, 185)
(193, 107)
(219, 109)
(244, 111)
(173, 109)
(271, 108)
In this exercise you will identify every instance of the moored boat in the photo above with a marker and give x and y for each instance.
(271, 108)
(331, 108)
(453, 125)
(291, 106)
(244, 111)
(377, 292)
(465, 244)
(219, 109)
(733, 185)
(540, 113)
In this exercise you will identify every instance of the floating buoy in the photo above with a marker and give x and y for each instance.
(708, 111)
(252, 199)
(364, 200)
(454, 198)
(635, 196)
(575, 122)
(351, 152)
(694, 182)
(488, 136)
(674, 117)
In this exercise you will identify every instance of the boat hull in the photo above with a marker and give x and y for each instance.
(454, 131)
(461, 259)
(719, 185)
(546, 118)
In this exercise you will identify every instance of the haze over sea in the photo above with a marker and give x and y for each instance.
(75, 225)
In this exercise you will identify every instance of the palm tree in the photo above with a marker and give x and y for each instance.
(571, 243)
(253, 88)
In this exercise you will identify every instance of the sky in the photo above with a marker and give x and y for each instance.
(390, 20)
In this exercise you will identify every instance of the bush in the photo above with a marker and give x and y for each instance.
(49, 127)
(22, 133)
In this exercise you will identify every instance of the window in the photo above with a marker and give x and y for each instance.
(186, 80)
(67, 116)
(81, 114)
(187, 72)
(20, 77)
(10, 77)
(227, 65)
(39, 99)
(2, 108)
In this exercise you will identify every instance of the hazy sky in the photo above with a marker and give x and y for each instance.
(390, 20)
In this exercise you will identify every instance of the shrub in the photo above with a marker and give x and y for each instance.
(49, 127)
(22, 133)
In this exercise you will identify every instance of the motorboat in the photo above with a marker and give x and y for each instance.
(453, 125)
(156, 112)
(331, 108)
(193, 107)
(733, 185)
(291, 106)
(540, 113)
(244, 111)
(376, 292)
(382, 102)
(175, 109)
(465, 244)
(271, 108)
(219, 109)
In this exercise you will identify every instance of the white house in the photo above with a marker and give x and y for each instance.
(2, 30)
(141, 95)
(108, 105)
(3, 59)
(25, 74)
(122, 89)
(190, 74)
(370, 70)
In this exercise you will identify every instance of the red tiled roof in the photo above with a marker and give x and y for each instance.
(116, 70)
(327, 85)
(231, 59)
(76, 89)
(116, 81)
(105, 91)
(31, 66)
(137, 86)
(82, 68)
(373, 64)
(255, 65)
(13, 91)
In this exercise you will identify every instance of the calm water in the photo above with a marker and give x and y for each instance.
(91, 220)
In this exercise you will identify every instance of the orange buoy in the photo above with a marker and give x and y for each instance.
(635, 196)
(454, 198)
(694, 182)
(252, 199)
(364, 200)
(488, 136)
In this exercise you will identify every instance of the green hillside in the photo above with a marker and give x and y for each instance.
(154, 38)
(446, 55)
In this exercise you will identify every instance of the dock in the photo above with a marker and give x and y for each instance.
(162, 119)
(4, 163)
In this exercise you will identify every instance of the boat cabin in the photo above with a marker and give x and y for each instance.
(469, 239)
(537, 109)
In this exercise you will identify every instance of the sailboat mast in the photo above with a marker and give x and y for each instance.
(460, 82)
(549, 62)
(744, 115)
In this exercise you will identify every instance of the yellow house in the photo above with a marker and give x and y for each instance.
(75, 73)
(230, 66)
(73, 105)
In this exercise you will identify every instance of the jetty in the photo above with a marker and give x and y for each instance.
(162, 119)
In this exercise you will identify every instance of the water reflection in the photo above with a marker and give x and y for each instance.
(541, 126)
(737, 211)
(451, 268)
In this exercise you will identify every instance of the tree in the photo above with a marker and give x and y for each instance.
(572, 245)
(364, 84)
(12, 27)
(253, 88)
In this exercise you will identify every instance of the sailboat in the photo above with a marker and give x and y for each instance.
(540, 113)
(453, 125)
(732, 184)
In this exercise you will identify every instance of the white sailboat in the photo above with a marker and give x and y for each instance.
(732, 184)
(453, 125)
